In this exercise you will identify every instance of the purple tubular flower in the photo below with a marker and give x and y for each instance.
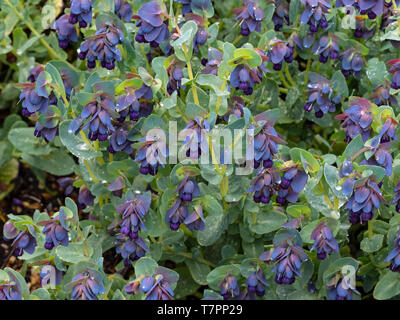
(382, 157)
(263, 185)
(152, 26)
(357, 119)
(256, 283)
(249, 17)
(188, 189)
(66, 31)
(352, 62)
(176, 215)
(396, 198)
(85, 198)
(66, 183)
(320, 96)
(394, 255)
(81, 11)
(195, 141)
(155, 287)
(362, 30)
(327, 47)
(116, 187)
(34, 99)
(281, 14)
(266, 144)
(213, 60)
(381, 96)
(244, 78)
(195, 221)
(288, 260)
(395, 71)
(11, 289)
(102, 46)
(229, 287)
(49, 129)
(151, 155)
(56, 231)
(280, 51)
(341, 290)
(25, 241)
(365, 198)
(119, 141)
(314, 14)
(132, 212)
(34, 73)
(99, 124)
(123, 10)
(292, 183)
(372, 8)
(86, 286)
(131, 249)
(325, 243)
(175, 75)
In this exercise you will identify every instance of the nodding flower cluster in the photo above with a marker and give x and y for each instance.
(102, 46)
(281, 14)
(24, 240)
(352, 62)
(152, 154)
(293, 181)
(152, 24)
(81, 11)
(364, 197)
(66, 32)
(264, 185)
(357, 119)
(265, 143)
(132, 212)
(314, 14)
(244, 78)
(256, 283)
(288, 258)
(98, 112)
(325, 243)
(381, 96)
(280, 51)
(249, 17)
(86, 286)
(195, 142)
(396, 198)
(56, 231)
(340, 289)
(320, 96)
(123, 10)
(327, 47)
(155, 287)
(178, 213)
(229, 287)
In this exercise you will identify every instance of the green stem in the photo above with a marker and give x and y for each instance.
(289, 76)
(307, 71)
(284, 82)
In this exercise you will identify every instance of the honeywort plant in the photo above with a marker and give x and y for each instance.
(218, 149)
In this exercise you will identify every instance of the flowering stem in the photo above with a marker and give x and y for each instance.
(289, 76)
(219, 98)
(214, 160)
(37, 34)
(189, 66)
(307, 71)
(145, 58)
(284, 82)
(90, 171)
(237, 39)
